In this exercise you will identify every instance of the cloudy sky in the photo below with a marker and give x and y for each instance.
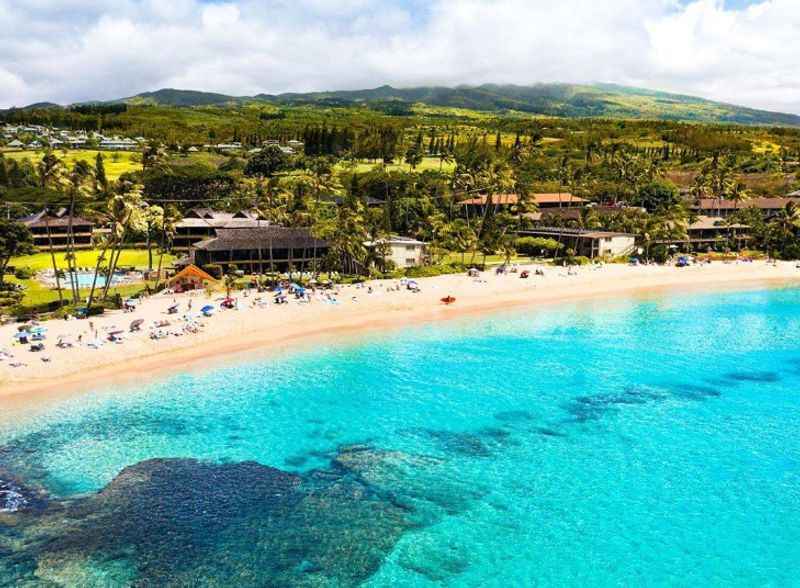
(740, 51)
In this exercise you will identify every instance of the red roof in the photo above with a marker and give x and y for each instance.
(509, 199)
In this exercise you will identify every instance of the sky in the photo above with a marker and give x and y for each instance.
(739, 51)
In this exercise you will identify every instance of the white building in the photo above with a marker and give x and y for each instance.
(403, 252)
(117, 144)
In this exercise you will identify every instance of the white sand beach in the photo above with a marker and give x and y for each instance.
(25, 376)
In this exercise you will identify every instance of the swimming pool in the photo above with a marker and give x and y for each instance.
(86, 278)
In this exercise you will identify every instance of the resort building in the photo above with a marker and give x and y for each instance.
(202, 223)
(257, 249)
(542, 201)
(53, 230)
(587, 243)
(403, 252)
(709, 233)
(117, 144)
(558, 215)
(724, 208)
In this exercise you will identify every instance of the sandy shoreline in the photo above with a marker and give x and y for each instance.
(254, 329)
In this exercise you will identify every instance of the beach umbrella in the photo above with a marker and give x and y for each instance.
(136, 325)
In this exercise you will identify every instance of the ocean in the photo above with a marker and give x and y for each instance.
(633, 442)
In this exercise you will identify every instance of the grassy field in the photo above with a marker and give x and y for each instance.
(129, 258)
(116, 162)
(37, 293)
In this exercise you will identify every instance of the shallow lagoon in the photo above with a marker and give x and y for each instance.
(635, 442)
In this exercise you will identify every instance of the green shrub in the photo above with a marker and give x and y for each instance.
(574, 260)
(23, 273)
(214, 270)
(536, 246)
(791, 252)
(430, 271)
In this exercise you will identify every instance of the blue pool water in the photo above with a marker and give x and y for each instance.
(85, 279)
(634, 443)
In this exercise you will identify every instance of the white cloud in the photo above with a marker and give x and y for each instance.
(70, 50)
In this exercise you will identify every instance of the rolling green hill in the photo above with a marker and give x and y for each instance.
(566, 100)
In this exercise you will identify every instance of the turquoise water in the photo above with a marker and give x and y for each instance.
(633, 443)
(85, 279)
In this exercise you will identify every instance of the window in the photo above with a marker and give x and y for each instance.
(411, 247)
(411, 261)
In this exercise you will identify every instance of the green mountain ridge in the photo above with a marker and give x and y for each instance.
(557, 99)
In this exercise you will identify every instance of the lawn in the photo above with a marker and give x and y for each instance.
(37, 293)
(115, 162)
(129, 258)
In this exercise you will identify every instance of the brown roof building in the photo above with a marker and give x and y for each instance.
(54, 230)
(202, 223)
(268, 247)
(724, 208)
(543, 201)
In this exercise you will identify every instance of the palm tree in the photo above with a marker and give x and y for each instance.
(125, 209)
(785, 225)
(79, 188)
(171, 216)
(50, 172)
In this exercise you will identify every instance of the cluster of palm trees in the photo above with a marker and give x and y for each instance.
(718, 180)
(120, 205)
